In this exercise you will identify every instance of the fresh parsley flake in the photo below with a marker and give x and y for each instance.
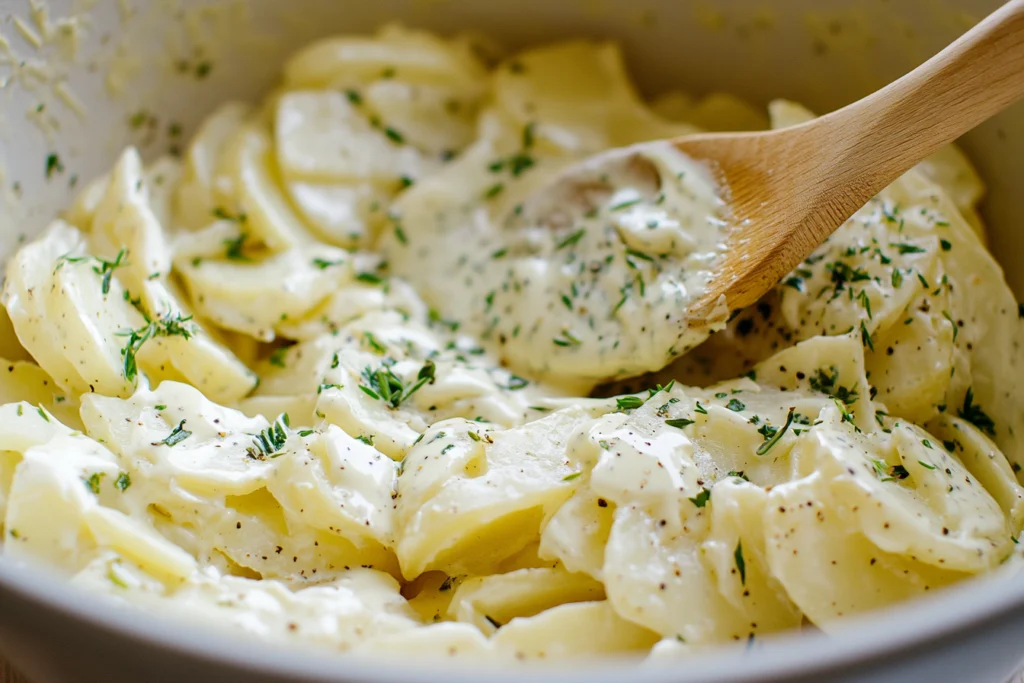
(234, 248)
(277, 357)
(702, 498)
(93, 482)
(53, 165)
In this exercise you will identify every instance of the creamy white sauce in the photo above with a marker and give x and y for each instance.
(589, 277)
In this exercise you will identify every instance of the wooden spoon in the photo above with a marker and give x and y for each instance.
(792, 188)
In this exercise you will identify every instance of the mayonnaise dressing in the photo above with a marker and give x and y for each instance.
(586, 278)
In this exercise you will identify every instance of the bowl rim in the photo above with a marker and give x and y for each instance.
(910, 629)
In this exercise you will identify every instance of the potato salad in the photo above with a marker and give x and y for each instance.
(324, 378)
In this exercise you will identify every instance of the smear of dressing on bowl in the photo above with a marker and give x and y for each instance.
(589, 277)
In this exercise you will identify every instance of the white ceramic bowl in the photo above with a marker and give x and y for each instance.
(144, 55)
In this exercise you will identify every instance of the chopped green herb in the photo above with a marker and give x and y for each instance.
(435, 317)
(776, 436)
(679, 423)
(515, 383)
(382, 384)
(123, 481)
(702, 498)
(572, 477)
(400, 234)
(394, 135)
(904, 248)
(324, 264)
(277, 357)
(625, 205)
(528, 135)
(975, 415)
(865, 336)
(53, 165)
(234, 248)
(925, 465)
(369, 278)
(224, 215)
(494, 190)
(741, 565)
(269, 442)
(946, 245)
(827, 383)
(106, 269)
(373, 343)
(628, 402)
(736, 406)
(93, 482)
(956, 328)
(567, 339)
(794, 282)
(571, 239)
(177, 435)
(368, 440)
(167, 326)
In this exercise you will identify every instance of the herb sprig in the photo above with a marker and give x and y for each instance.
(270, 442)
(384, 385)
(167, 326)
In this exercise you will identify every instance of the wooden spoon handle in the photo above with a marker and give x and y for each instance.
(887, 133)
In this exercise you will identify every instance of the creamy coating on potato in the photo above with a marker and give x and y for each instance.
(325, 379)
(588, 279)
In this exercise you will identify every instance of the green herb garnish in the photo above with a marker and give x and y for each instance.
(776, 436)
(269, 442)
(702, 498)
(177, 435)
